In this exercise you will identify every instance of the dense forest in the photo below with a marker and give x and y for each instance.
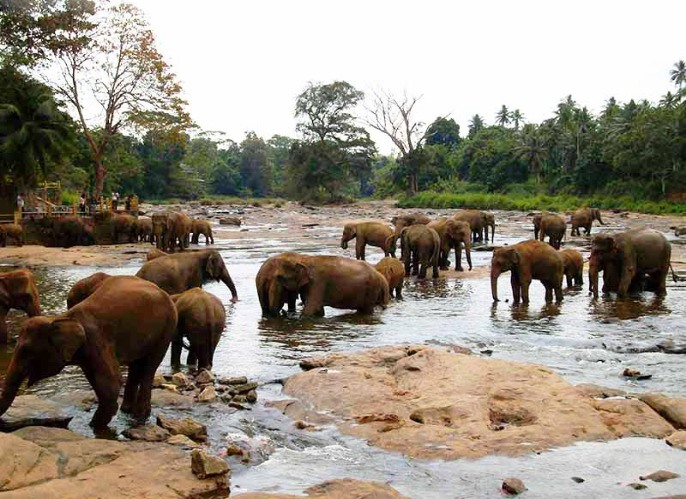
(55, 53)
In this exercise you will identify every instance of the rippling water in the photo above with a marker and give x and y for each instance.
(584, 340)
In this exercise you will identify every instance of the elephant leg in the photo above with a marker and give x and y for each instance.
(422, 269)
(415, 262)
(359, 248)
(434, 275)
(314, 301)
(192, 357)
(292, 297)
(458, 257)
(525, 290)
(557, 287)
(204, 356)
(196, 238)
(142, 407)
(106, 383)
(211, 239)
(176, 345)
(625, 281)
(407, 266)
(568, 276)
(3, 327)
(548, 291)
(399, 292)
(516, 287)
(133, 379)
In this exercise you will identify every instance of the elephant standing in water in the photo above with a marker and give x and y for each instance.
(453, 234)
(17, 290)
(84, 288)
(204, 228)
(170, 229)
(421, 248)
(127, 321)
(144, 229)
(551, 225)
(488, 220)
(125, 225)
(201, 319)
(394, 272)
(574, 267)
(280, 280)
(475, 220)
(373, 233)
(584, 217)
(179, 272)
(526, 261)
(630, 260)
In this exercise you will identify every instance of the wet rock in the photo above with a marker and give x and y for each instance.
(677, 440)
(312, 363)
(236, 380)
(83, 399)
(672, 409)
(169, 398)
(631, 417)
(204, 377)
(158, 381)
(240, 389)
(660, 476)
(302, 425)
(375, 418)
(237, 405)
(251, 396)
(596, 391)
(631, 373)
(483, 248)
(679, 231)
(578, 479)
(183, 441)
(204, 465)
(230, 221)
(147, 433)
(208, 394)
(181, 380)
(513, 486)
(637, 486)
(188, 427)
(251, 449)
(29, 410)
(235, 450)
(169, 387)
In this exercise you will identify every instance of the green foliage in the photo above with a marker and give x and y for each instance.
(443, 131)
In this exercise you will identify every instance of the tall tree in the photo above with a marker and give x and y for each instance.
(443, 131)
(532, 149)
(254, 165)
(517, 118)
(502, 117)
(678, 74)
(476, 123)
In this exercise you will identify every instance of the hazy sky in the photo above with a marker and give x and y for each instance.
(243, 63)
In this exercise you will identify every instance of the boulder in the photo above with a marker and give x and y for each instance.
(241, 389)
(204, 465)
(236, 380)
(147, 433)
(513, 486)
(230, 221)
(183, 441)
(345, 488)
(660, 476)
(188, 427)
(204, 377)
(673, 410)
(181, 380)
(168, 398)
(208, 394)
(677, 440)
(29, 410)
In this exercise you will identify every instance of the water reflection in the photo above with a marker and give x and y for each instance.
(609, 308)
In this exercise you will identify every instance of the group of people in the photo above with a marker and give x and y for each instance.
(86, 201)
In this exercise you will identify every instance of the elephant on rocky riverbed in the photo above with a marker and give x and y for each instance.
(144, 229)
(394, 272)
(127, 321)
(66, 231)
(574, 267)
(584, 217)
(453, 233)
(179, 272)
(124, 225)
(420, 248)
(526, 261)
(204, 228)
(488, 220)
(368, 233)
(171, 229)
(280, 280)
(475, 220)
(17, 290)
(13, 231)
(633, 260)
(551, 225)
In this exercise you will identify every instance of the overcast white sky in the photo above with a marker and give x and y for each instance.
(242, 63)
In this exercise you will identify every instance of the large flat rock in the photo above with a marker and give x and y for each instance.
(29, 410)
(56, 463)
(345, 488)
(433, 403)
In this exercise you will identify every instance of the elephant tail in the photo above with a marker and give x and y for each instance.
(675, 277)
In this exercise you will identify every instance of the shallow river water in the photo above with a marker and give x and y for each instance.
(586, 341)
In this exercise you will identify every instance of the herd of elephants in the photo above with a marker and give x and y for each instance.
(164, 303)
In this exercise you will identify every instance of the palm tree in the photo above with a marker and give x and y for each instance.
(678, 74)
(517, 117)
(532, 149)
(475, 124)
(502, 117)
(669, 100)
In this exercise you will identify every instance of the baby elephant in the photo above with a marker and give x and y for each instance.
(574, 267)
(201, 320)
(394, 272)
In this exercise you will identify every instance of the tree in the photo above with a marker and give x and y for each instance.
(517, 117)
(502, 117)
(678, 74)
(392, 116)
(532, 149)
(254, 165)
(443, 131)
(475, 125)
(110, 54)
(34, 134)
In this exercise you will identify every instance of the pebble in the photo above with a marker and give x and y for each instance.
(513, 486)
(188, 427)
(204, 465)
(251, 396)
(204, 377)
(236, 380)
(637, 486)
(660, 476)
(245, 388)
(208, 394)
(578, 479)
(147, 433)
(182, 441)
(181, 380)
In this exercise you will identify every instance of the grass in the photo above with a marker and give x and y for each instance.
(560, 203)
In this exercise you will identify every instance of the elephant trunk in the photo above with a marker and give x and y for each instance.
(14, 379)
(495, 273)
(275, 299)
(226, 279)
(390, 243)
(344, 243)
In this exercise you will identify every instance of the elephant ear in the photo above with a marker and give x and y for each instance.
(215, 266)
(66, 336)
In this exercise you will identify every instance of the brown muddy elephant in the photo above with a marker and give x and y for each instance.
(633, 260)
(201, 320)
(66, 231)
(400, 222)
(488, 220)
(475, 221)
(13, 231)
(453, 234)
(17, 290)
(144, 229)
(124, 225)
(179, 272)
(155, 253)
(368, 233)
(394, 273)
(201, 227)
(280, 280)
(126, 321)
(420, 248)
(84, 288)
(574, 267)
(526, 261)
(583, 217)
(551, 225)
(171, 229)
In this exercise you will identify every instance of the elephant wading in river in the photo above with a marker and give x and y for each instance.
(488, 220)
(170, 229)
(17, 290)
(280, 280)
(475, 220)
(179, 272)
(125, 321)
(373, 233)
(526, 261)
(66, 231)
(453, 234)
(394, 272)
(13, 231)
(574, 267)
(124, 225)
(630, 261)
(201, 319)
(551, 225)
(202, 227)
(421, 248)
(584, 217)
(144, 229)
(84, 288)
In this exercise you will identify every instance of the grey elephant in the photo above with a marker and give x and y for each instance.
(420, 248)
(584, 217)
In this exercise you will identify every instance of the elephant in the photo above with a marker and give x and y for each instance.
(394, 273)
(203, 227)
(179, 272)
(630, 261)
(488, 220)
(420, 247)
(280, 279)
(170, 229)
(127, 321)
(475, 221)
(584, 217)
(453, 233)
(125, 225)
(155, 253)
(401, 221)
(526, 261)
(15, 231)
(551, 225)
(84, 288)
(201, 319)
(373, 233)
(67, 231)
(17, 290)
(144, 229)
(574, 267)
